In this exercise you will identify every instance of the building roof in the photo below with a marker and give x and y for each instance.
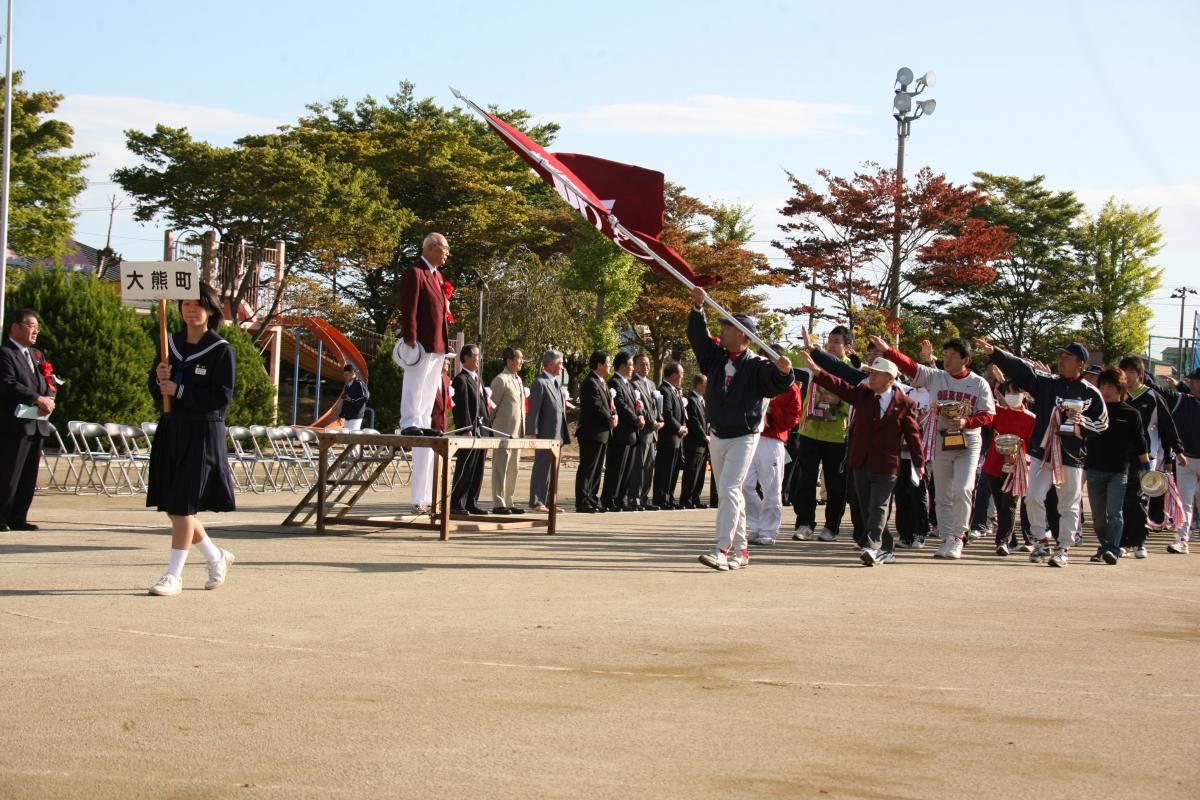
(79, 257)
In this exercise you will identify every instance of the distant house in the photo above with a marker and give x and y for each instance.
(79, 257)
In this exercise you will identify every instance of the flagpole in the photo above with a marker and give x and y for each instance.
(625, 232)
(7, 161)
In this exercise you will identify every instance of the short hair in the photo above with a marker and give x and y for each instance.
(349, 368)
(641, 355)
(621, 359)
(18, 316)
(1132, 363)
(598, 358)
(1008, 383)
(698, 379)
(960, 345)
(211, 302)
(510, 353)
(1111, 376)
(467, 351)
(842, 331)
(551, 357)
(431, 239)
(672, 369)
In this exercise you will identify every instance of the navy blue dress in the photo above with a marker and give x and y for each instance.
(189, 465)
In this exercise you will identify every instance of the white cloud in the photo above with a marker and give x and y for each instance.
(1179, 195)
(717, 115)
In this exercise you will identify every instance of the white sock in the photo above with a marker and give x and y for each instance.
(210, 551)
(178, 557)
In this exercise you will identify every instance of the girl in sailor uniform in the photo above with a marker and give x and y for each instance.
(189, 470)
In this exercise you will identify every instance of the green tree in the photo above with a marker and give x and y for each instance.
(94, 343)
(44, 179)
(1034, 296)
(253, 394)
(1115, 250)
(387, 380)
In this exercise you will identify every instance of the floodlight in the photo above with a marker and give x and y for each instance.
(902, 103)
(904, 77)
(927, 107)
(929, 79)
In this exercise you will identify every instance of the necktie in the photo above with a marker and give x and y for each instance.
(29, 358)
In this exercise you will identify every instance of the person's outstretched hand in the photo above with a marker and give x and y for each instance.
(698, 297)
(984, 346)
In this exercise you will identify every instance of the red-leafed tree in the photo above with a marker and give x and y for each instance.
(839, 239)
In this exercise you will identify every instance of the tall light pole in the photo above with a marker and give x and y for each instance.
(1181, 294)
(7, 161)
(904, 113)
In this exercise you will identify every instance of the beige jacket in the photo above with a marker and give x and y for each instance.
(508, 394)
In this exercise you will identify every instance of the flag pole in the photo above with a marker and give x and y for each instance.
(625, 233)
(7, 161)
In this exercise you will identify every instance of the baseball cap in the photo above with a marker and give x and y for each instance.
(883, 365)
(747, 322)
(1077, 350)
(1194, 375)
(1094, 369)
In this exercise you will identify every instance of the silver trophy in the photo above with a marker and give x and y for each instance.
(1008, 445)
(1069, 426)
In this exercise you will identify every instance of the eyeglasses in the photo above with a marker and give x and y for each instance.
(31, 325)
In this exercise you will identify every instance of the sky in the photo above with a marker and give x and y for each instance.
(724, 98)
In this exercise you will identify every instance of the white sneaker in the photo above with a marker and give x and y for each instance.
(888, 557)
(217, 570)
(738, 561)
(1059, 559)
(802, 533)
(1002, 550)
(827, 535)
(918, 543)
(1038, 554)
(1026, 547)
(1141, 552)
(168, 584)
(955, 549)
(765, 541)
(944, 549)
(870, 557)
(715, 559)
(1179, 546)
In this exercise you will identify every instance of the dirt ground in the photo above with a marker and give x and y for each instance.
(604, 662)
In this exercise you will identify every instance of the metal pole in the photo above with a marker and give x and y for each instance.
(482, 293)
(1183, 293)
(812, 299)
(894, 273)
(296, 376)
(7, 161)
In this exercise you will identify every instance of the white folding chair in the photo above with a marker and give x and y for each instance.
(245, 458)
(99, 450)
(60, 454)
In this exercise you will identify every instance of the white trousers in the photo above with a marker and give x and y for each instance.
(1188, 479)
(730, 462)
(1070, 498)
(763, 514)
(352, 424)
(954, 477)
(421, 383)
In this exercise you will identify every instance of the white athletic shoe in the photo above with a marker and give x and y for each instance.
(217, 570)
(802, 533)
(918, 543)
(168, 584)
(888, 557)
(1002, 550)
(870, 557)
(955, 549)
(1141, 552)
(765, 541)
(1059, 559)
(827, 535)
(1039, 553)
(715, 559)
(1026, 547)
(738, 561)
(1179, 546)
(943, 550)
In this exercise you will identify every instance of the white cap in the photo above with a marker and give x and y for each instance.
(881, 364)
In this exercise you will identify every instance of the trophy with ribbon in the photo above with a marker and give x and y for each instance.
(1068, 426)
(1008, 445)
(954, 438)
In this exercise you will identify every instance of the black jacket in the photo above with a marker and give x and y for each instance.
(20, 386)
(1122, 443)
(468, 401)
(697, 421)
(595, 413)
(672, 416)
(627, 429)
(736, 410)
(1148, 404)
(354, 399)
(204, 373)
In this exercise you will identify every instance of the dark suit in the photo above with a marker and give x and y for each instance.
(622, 445)
(641, 468)
(670, 442)
(468, 464)
(695, 450)
(20, 439)
(546, 418)
(595, 429)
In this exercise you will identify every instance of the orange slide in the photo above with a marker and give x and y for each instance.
(337, 345)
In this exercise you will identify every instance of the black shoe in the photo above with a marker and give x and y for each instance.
(516, 510)
(699, 505)
(652, 507)
(3, 526)
(457, 510)
(600, 509)
(499, 510)
(475, 510)
(586, 510)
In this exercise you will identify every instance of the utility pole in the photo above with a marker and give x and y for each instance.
(1181, 294)
(7, 160)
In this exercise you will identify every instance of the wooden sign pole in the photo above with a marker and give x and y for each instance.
(162, 344)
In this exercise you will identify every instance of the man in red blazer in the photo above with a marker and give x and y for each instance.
(882, 416)
(421, 351)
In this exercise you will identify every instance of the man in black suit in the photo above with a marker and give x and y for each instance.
(596, 421)
(22, 383)
(670, 437)
(695, 446)
(468, 413)
(623, 443)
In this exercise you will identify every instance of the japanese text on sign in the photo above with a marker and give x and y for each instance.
(160, 280)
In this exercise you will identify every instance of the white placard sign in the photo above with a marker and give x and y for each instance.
(160, 280)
